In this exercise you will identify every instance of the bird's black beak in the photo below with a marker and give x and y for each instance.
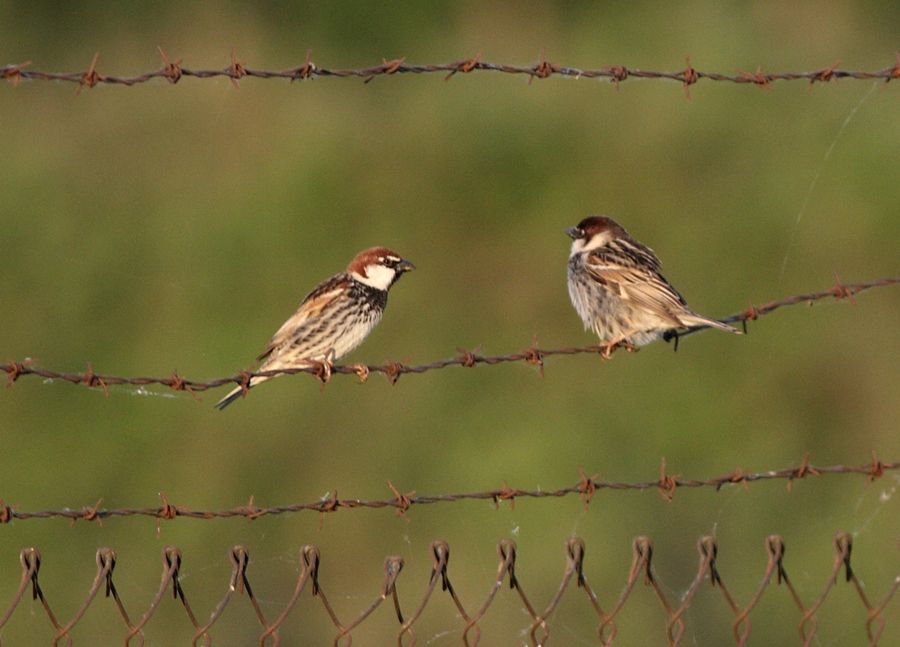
(574, 233)
(405, 266)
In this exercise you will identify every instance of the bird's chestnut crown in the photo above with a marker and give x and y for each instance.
(593, 225)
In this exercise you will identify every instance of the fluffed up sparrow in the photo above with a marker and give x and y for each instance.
(334, 318)
(616, 286)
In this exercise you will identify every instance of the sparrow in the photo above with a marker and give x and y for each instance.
(334, 318)
(616, 285)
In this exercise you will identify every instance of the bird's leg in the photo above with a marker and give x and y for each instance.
(607, 349)
(671, 334)
(362, 372)
(330, 356)
(324, 367)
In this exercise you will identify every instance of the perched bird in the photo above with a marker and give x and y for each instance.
(616, 286)
(334, 318)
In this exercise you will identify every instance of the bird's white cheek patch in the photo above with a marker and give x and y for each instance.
(598, 240)
(378, 277)
(577, 246)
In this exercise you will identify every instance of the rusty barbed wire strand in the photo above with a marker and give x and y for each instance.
(309, 560)
(665, 484)
(173, 71)
(15, 370)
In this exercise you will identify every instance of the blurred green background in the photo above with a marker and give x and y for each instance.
(163, 227)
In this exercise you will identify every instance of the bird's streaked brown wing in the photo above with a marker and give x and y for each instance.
(631, 271)
(311, 307)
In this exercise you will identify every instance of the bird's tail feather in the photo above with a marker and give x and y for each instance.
(231, 397)
(693, 320)
(238, 392)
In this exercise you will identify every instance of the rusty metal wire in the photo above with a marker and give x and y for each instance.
(540, 628)
(174, 71)
(393, 370)
(587, 487)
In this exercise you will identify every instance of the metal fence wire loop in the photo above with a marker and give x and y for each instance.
(540, 625)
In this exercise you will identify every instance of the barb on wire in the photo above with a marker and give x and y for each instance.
(393, 370)
(174, 71)
(585, 488)
(540, 629)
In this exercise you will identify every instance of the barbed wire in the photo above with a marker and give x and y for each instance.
(587, 487)
(173, 71)
(15, 370)
(541, 618)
